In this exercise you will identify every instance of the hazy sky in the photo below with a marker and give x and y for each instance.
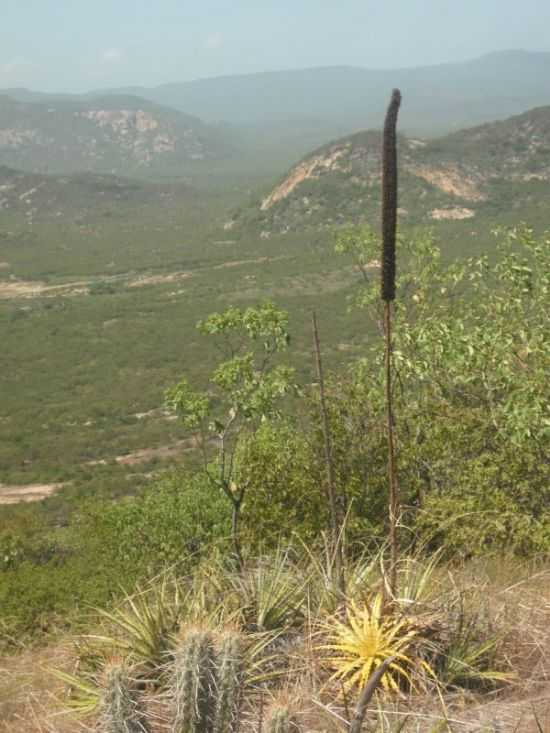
(75, 45)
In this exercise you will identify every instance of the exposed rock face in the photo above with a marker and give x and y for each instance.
(135, 132)
(451, 180)
(446, 178)
(17, 137)
(304, 171)
(107, 135)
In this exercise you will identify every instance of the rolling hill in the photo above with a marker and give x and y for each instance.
(122, 135)
(488, 168)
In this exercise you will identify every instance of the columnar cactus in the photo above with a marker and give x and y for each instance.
(193, 691)
(281, 720)
(229, 682)
(119, 710)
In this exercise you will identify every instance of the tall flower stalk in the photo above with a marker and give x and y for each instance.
(389, 227)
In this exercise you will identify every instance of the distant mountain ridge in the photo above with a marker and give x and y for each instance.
(493, 166)
(264, 121)
(120, 134)
(437, 99)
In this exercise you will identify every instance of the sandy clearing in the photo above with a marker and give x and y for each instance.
(34, 288)
(27, 493)
(456, 212)
(172, 277)
(14, 289)
(255, 261)
(238, 263)
(145, 455)
(21, 288)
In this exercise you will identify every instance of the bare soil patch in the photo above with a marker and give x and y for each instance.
(144, 280)
(144, 455)
(238, 263)
(33, 288)
(453, 213)
(27, 493)
(21, 288)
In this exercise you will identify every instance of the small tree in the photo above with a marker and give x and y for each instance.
(245, 390)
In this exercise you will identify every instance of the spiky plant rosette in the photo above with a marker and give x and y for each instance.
(142, 627)
(368, 636)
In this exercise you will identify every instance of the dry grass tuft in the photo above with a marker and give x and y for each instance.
(511, 599)
(30, 695)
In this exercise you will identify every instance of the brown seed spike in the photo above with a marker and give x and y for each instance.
(389, 197)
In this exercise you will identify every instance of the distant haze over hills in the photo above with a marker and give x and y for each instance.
(436, 98)
(269, 119)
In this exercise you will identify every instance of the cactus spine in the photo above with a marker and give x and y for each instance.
(194, 684)
(229, 683)
(119, 706)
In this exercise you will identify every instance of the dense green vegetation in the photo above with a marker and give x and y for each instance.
(102, 282)
(487, 171)
(472, 357)
(158, 375)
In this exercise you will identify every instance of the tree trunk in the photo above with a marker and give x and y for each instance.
(368, 691)
(235, 517)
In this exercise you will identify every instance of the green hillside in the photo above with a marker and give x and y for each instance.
(104, 278)
(471, 174)
(123, 135)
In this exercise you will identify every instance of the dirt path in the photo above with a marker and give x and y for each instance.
(15, 288)
(28, 493)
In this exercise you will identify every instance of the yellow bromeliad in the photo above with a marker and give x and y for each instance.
(366, 640)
